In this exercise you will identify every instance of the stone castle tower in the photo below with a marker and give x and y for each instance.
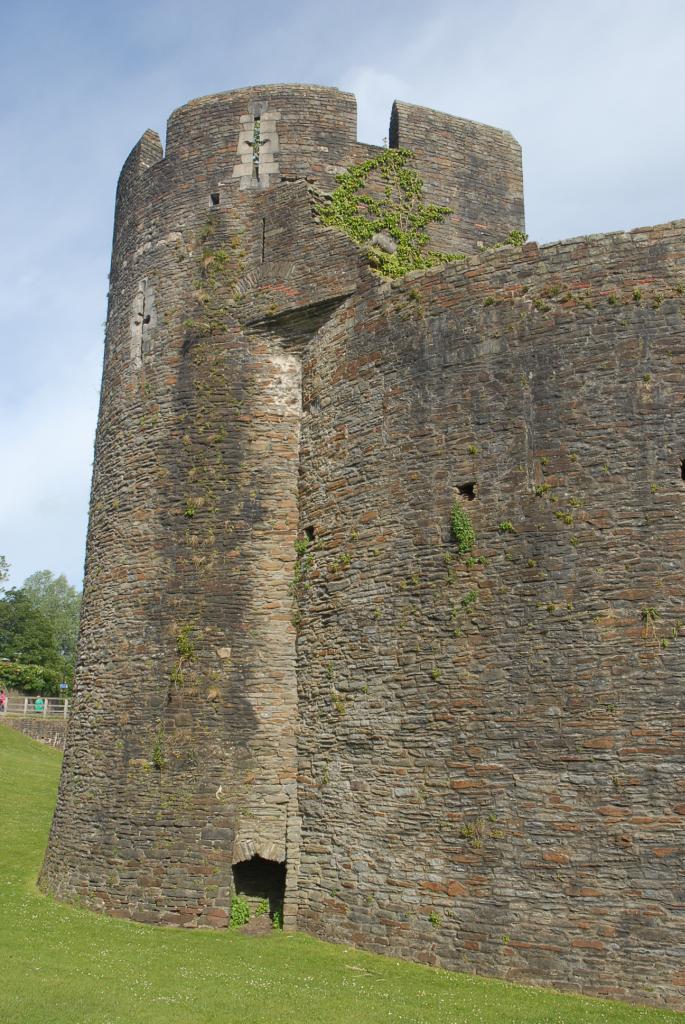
(292, 683)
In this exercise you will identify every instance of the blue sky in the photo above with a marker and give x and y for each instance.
(592, 90)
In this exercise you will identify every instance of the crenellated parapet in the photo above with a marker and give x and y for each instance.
(253, 139)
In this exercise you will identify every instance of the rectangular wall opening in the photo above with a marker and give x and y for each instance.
(262, 884)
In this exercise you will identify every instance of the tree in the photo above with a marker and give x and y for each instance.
(60, 604)
(29, 654)
(4, 573)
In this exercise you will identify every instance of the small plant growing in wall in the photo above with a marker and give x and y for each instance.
(506, 526)
(341, 562)
(392, 220)
(462, 529)
(650, 617)
(338, 703)
(240, 911)
(185, 654)
(515, 237)
(564, 517)
(303, 563)
(159, 760)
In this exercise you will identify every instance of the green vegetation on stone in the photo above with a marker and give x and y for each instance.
(394, 209)
(219, 268)
(240, 911)
(65, 965)
(462, 529)
(515, 237)
(185, 650)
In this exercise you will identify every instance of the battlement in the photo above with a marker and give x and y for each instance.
(255, 138)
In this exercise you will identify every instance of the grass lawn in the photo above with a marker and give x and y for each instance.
(63, 965)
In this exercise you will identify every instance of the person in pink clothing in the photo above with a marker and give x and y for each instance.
(3, 701)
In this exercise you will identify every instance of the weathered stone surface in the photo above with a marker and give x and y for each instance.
(474, 759)
(502, 795)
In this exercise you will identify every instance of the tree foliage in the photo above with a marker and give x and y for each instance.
(38, 629)
(4, 572)
(60, 603)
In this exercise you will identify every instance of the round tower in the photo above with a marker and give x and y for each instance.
(179, 779)
(179, 776)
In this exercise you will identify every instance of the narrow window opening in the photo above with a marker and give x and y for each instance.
(467, 490)
(309, 533)
(143, 322)
(215, 198)
(256, 143)
(261, 882)
(263, 237)
(682, 469)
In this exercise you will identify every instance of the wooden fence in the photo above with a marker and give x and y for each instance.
(25, 707)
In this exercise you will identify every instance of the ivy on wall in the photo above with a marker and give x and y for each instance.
(396, 213)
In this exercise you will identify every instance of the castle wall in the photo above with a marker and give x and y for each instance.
(181, 757)
(472, 168)
(491, 744)
(316, 128)
(466, 759)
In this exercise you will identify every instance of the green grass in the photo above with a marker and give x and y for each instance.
(64, 965)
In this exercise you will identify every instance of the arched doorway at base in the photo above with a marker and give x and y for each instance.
(261, 883)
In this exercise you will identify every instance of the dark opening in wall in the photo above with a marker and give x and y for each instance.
(215, 198)
(467, 490)
(258, 879)
(394, 131)
(682, 469)
(309, 533)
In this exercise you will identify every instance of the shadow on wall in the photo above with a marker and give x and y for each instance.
(258, 879)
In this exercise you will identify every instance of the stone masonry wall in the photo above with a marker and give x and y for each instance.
(181, 757)
(472, 168)
(469, 760)
(45, 731)
(491, 744)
